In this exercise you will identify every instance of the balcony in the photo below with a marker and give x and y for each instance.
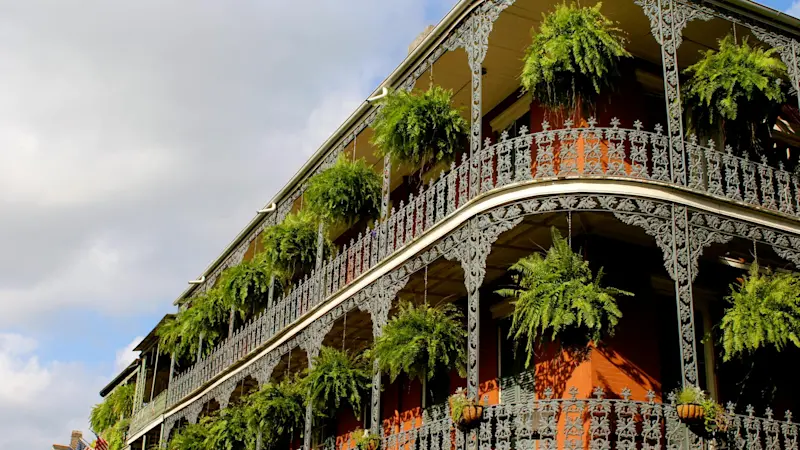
(600, 422)
(148, 413)
(590, 152)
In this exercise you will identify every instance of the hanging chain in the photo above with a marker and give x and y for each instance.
(569, 228)
(755, 252)
(344, 331)
(425, 291)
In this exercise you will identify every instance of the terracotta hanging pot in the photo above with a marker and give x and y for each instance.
(691, 413)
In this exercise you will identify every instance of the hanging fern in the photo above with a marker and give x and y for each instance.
(207, 315)
(118, 404)
(192, 436)
(345, 193)
(420, 129)
(764, 311)
(737, 88)
(557, 294)
(337, 376)
(290, 248)
(573, 57)
(277, 410)
(241, 284)
(228, 430)
(421, 341)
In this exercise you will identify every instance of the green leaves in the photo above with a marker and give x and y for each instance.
(277, 409)
(737, 83)
(556, 294)
(421, 340)
(206, 315)
(290, 248)
(420, 129)
(337, 376)
(228, 430)
(764, 311)
(344, 193)
(111, 417)
(192, 436)
(242, 283)
(573, 57)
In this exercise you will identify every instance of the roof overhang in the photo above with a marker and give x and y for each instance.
(152, 337)
(122, 377)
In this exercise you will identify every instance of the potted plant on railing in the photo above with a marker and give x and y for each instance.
(556, 297)
(366, 440)
(466, 412)
(736, 91)
(422, 340)
(203, 322)
(420, 129)
(290, 247)
(695, 407)
(764, 311)
(337, 376)
(344, 193)
(572, 58)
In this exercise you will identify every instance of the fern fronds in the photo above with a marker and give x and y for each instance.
(290, 247)
(191, 437)
(419, 129)
(422, 340)
(242, 283)
(228, 429)
(764, 311)
(344, 193)
(738, 86)
(277, 410)
(573, 56)
(338, 376)
(557, 293)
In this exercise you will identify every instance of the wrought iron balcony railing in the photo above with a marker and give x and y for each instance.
(600, 422)
(148, 413)
(587, 152)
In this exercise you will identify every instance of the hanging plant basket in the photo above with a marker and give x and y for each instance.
(344, 193)
(420, 129)
(691, 413)
(365, 440)
(738, 90)
(465, 412)
(557, 297)
(573, 57)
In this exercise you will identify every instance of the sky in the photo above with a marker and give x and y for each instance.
(136, 140)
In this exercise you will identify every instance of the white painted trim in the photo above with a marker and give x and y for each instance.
(510, 194)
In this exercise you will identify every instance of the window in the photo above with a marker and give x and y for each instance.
(516, 382)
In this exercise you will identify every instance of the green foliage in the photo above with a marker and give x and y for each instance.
(556, 294)
(109, 416)
(363, 439)
(242, 283)
(739, 84)
(335, 377)
(764, 311)
(277, 409)
(420, 129)
(228, 430)
(713, 413)
(421, 340)
(117, 434)
(344, 193)
(290, 247)
(573, 57)
(207, 314)
(193, 436)
(458, 403)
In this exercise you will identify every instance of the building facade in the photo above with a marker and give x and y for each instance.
(672, 218)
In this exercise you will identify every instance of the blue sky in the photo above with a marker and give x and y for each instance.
(137, 139)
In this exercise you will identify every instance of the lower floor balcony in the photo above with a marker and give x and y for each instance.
(678, 263)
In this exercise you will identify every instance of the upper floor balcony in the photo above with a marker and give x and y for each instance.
(514, 144)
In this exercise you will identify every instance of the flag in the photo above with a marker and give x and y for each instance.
(82, 445)
(101, 444)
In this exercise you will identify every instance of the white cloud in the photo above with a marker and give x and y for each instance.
(125, 356)
(138, 138)
(40, 403)
(794, 9)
